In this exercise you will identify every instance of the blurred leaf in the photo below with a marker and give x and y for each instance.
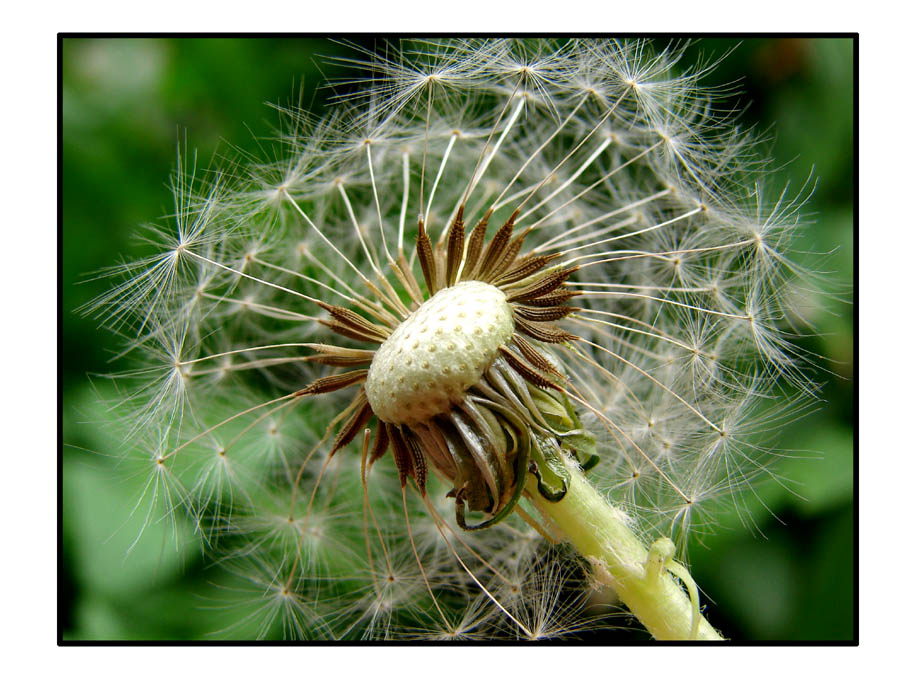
(827, 481)
(825, 611)
(755, 581)
(118, 555)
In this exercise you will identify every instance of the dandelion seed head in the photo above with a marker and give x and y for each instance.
(497, 261)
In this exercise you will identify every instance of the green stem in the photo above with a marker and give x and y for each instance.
(641, 577)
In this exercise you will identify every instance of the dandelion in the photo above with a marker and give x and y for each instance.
(543, 277)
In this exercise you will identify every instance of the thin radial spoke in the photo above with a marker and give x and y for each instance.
(252, 424)
(631, 442)
(359, 234)
(538, 151)
(377, 203)
(634, 233)
(252, 278)
(470, 185)
(334, 248)
(209, 430)
(565, 159)
(592, 186)
(293, 273)
(425, 150)
(626, 235)
(471, 575)
(367, 509)
(375, 308)
(581, 169)
(265, 310)
(666, 301)
(412, 541)
(487, 162)
(570, 241)
(673, 289)
(613, 324)
(403, 204)
(661, 255)
(552, 242)
(305, 527)
(650, 377)
(437, 179)
(249, 365)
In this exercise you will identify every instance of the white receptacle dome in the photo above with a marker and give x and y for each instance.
(438, 352)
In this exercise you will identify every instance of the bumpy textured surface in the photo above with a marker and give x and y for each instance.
(441, 350)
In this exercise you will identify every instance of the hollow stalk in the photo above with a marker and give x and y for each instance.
(643, 578)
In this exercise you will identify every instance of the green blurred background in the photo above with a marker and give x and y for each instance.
(125, 103)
